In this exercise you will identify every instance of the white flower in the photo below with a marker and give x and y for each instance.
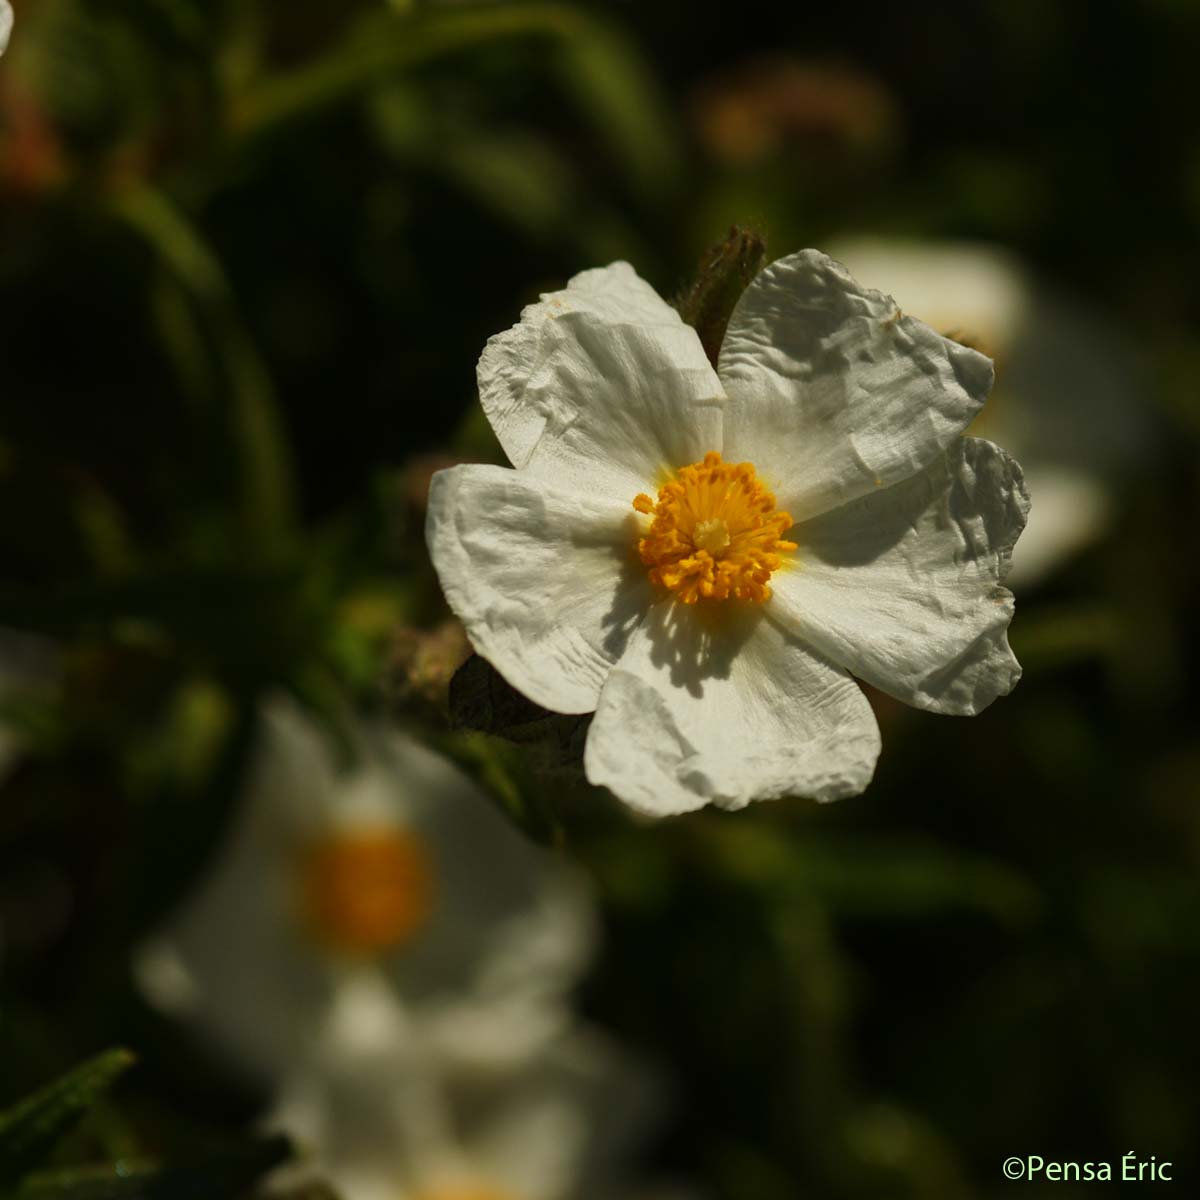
(382, 1126)
(367, 902)
(817, 481)
(6, 24)
(1066, 400)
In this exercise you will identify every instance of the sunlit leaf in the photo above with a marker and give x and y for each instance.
(222, 1175)
(29, 1131)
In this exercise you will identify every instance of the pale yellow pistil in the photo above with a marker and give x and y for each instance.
(715, 533)
(711, 535)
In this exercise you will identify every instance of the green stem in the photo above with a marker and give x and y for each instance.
(380, 46)
(265, 470)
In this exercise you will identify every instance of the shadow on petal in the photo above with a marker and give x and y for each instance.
(698, 642)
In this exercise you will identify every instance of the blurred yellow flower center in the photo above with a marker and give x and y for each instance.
(368, 890)
(715, 534)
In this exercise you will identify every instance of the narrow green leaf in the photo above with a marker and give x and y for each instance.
(482, 702)
(29, 1131)
(614, 88)
(500, 769)
(227, 1174)
(253, 421)
(382, 42)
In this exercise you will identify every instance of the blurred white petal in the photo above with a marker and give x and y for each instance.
(1069, 512)
(968, 290)
(508, 924)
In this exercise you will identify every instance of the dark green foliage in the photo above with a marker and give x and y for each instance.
(249, 254)
(481, 700)
(30, 1130)
(231, 1173)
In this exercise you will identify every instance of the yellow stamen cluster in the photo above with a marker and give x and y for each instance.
(716, 534)
(367, 891)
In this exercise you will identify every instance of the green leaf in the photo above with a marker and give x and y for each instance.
(483, 701)
(1053, 636)
(613, 86)
(255, 427)
(595, 62)
(500, 770)
(724, 273)
(891, 879)
(227, 1174)
(29, 1131)
(382, 42)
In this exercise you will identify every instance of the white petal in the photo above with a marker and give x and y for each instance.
(833, 393)
(535, 1146)
(567, 1123)
(510, 923)
(6, 24)
(1071, 512)
(979, 293)
(543, 580)
(903, 586)
(601, 387)
(726, 708)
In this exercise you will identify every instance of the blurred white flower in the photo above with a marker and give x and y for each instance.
(385, 1126)
(6, 24)
(716, 634)
(1066, 400)
(354, 905)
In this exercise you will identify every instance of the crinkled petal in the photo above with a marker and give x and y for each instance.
(601, 387)
(724, 707)
(544, 580)
(6, 24)
(833, 392)
(903, 587)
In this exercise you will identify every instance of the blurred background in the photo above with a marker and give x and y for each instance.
(249, 254)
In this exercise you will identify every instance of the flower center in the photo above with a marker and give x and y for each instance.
(367, 891)
(715, 533)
